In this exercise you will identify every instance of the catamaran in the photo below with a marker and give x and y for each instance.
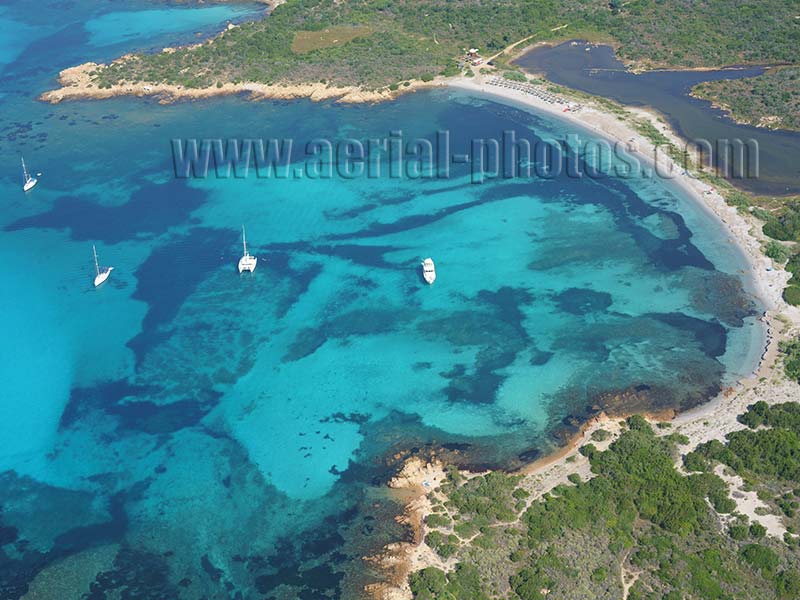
(428, 270)
(102, 274)
(29, 181)
(247, 262)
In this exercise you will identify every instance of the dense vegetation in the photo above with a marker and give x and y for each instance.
(405, 39)
(782, 222)
(791, 362)
(638, 519)
(792, 292)
(767, 455)
(772, 452)
(769, 100)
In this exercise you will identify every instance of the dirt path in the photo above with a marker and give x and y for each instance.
(627, 578)
(508, 49)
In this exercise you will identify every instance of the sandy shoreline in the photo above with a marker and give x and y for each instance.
(744, 232)
(711, 420)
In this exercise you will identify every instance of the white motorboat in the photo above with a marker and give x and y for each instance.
(428, 270)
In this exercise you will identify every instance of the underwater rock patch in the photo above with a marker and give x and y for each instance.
(582, 301)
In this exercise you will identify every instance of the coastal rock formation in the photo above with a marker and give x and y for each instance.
(413, 483)
(77, 82)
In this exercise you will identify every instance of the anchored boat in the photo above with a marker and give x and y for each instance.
(28, 180)
(247, 262)
(428, 270)
(101, 274)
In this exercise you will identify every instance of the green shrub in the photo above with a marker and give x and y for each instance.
(451, 70)
(638, 423)
(428, 584)
(434, 520)
(465, 529)
(600, 574)
(776, 251)
(737, 532)
(600, 435)
(520, 493)
(786, 226)
(434, 584)
(787, 585)
(760, 558)
(515, 76)
(518, 555)
(529, 583)
(792, 295)
(757, 530)
(791, 351)
(678, 439)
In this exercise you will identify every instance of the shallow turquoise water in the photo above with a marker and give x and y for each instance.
(232, 434)
(111, 28)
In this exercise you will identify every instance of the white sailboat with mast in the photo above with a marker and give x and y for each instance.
(28, 180)
(101, 274)
(247, 262)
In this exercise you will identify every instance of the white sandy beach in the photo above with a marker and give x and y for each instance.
(712, 420)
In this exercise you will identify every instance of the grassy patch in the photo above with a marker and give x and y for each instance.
(307, 41)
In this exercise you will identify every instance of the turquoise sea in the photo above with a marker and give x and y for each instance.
(186, 432)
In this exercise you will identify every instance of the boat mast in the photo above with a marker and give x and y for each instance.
(244, 241)
(24, 170)
(96, 264)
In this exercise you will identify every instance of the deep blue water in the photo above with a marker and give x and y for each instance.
(184, 432)
(595, 69)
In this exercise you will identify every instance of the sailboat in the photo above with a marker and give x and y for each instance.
(102, 274)
(28, 179)
(247, 262)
